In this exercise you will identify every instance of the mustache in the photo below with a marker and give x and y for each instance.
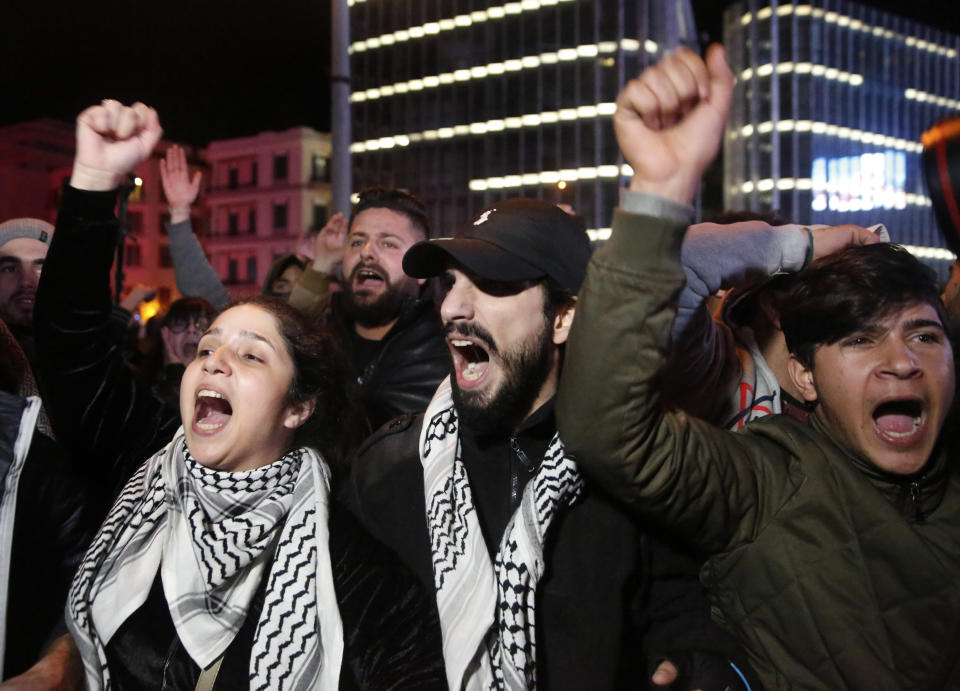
(371, 266)
(468, 329)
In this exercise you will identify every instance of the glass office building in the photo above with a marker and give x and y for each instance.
(831, 101)
(465, 102)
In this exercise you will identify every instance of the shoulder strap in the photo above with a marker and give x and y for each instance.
(209, 676)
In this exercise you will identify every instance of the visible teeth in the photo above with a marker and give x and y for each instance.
(472, 371)
(461, 344)
(916, 424)
(207, 426)
(208, 392)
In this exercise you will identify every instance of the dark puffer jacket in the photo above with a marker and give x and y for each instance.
(832, 573)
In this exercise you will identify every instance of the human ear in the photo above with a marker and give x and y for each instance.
(298, 413)
(803, 379)
(562, 322)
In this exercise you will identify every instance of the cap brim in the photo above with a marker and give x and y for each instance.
(430, 258)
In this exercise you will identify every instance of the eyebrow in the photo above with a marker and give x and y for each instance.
(923, 324)
(243, 332)
(11, 259)
(376, 233)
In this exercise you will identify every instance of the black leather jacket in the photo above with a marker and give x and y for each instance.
(104, 415)
(408, 366)
(613, 600)
(390, 628)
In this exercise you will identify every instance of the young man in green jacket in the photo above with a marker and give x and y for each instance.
(833, 546)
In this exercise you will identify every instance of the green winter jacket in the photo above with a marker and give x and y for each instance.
(831, 573)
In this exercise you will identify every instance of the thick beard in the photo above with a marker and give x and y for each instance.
(525, 370)
(380, 312)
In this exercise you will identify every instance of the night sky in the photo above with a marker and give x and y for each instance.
(212, 68)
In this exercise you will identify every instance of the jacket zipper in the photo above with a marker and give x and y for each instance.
(912, 506)
(515, 475)
(915, 500)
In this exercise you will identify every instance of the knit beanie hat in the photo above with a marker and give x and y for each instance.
(32, 228)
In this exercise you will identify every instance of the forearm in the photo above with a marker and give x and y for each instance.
(60, 669)
(311, 293)
(624, 311)
(609, 410)
(195, 277)
(83, 377)
(718, 256)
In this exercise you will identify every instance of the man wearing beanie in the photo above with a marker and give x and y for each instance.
(23, 247)
(540, 580)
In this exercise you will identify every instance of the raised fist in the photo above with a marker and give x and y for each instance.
(669, 121)
(112, 140)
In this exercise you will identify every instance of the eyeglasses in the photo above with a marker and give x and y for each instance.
(201, 324)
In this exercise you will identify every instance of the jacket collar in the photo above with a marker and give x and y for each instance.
(916, 495)
(410, 311)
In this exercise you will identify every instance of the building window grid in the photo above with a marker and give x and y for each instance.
(422, 160)
(879, 108)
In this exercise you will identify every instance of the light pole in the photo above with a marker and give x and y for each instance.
(341, 173)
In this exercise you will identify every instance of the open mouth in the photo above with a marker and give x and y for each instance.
(899, 421)
(470, 359)
(212, 411)
(367, 278)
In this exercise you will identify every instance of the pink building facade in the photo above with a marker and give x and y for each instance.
(267, 194)
(261, 197)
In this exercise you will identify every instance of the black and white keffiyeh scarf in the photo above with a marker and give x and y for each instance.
(487, 611)
(213, 535)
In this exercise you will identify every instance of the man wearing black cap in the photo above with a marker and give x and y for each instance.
(539, 579)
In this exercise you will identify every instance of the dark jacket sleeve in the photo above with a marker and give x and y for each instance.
(100, 412)
(702, 482)
(51, 533)
(677, 624)
(391, 629)
(384, 491)
(311, 293)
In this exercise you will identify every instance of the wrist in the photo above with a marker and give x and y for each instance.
(323, 264)
(679, 190)
(179, 214)
(91, 179)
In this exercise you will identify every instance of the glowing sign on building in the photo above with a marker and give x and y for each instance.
(860, 183)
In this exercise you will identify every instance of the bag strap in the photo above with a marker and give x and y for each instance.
(209, 676)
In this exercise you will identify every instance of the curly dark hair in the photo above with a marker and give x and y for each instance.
(335, 428)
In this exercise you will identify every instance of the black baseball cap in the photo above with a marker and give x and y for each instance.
(513, 240)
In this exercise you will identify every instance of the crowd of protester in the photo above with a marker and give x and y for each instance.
(489, 461)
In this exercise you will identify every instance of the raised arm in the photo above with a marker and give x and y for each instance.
(706, 357)
(696, 478)
(195, 277)
(311, 294)
(101, 414)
